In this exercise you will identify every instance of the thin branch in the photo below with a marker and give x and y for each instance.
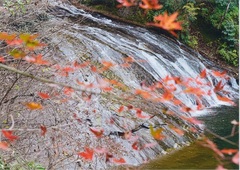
(222, 138)
(43, 80)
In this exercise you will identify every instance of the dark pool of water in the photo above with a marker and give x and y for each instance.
(196, 156)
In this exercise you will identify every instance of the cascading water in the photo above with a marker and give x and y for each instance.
(79, 35)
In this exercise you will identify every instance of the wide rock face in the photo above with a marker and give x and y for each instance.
(121, 119)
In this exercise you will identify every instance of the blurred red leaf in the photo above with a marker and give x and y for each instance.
(43, 129)
(219, 86)
(2, 60)
(87, 154)
(219, 74)
(229, 151)
(98, 132)
(8, 134)
(125, 3)
(43, 95)
(37, 60)
(225, 99)
(4, 145)
(235, 158)
(68, 90)
(203, 74)
(14, 42)
(119, 161)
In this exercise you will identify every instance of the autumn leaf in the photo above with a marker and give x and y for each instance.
(68, 90)
(34, 106)
(37, 60)
(167, 22)
(2, 60)
(219, 74)
(8, 134)
(194, 90)
(143, 93)
(219, 86)
(203, 74)
(150, 4)
(98, 132)
(43, 95)
(178, 131)
(119, 161)
(156, 133)
(87, 154)
(7, 37)
(121, 108)
(100, 150)
(30, 41)
(125, 3)
(235, 158)
(4, 145)
(225, 99)
(229, 151)
(140, 115)
(16, 53)
(14, 42)
(136, 146)
(43, 129)
(192, 120)
(208, 143)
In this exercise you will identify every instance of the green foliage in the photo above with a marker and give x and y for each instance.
(3, 166)
(191, 11)
(230, 55)
(16, 5)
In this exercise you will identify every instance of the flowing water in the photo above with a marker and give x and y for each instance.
(80, 35)
(100, 38)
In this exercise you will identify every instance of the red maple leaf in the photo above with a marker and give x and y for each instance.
(87, 154)
(119, 161)
(8, 134)
(43, 129)
(43, 95)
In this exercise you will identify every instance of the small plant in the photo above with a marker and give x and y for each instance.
(16, 5)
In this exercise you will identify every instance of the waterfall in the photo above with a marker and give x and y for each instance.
(77, 35)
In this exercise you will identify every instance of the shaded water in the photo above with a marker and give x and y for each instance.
(196, 156)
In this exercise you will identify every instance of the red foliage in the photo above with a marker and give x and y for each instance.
(8, 134)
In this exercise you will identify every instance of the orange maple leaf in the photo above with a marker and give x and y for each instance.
(33, 106)
(150, 4)
(167, 22)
